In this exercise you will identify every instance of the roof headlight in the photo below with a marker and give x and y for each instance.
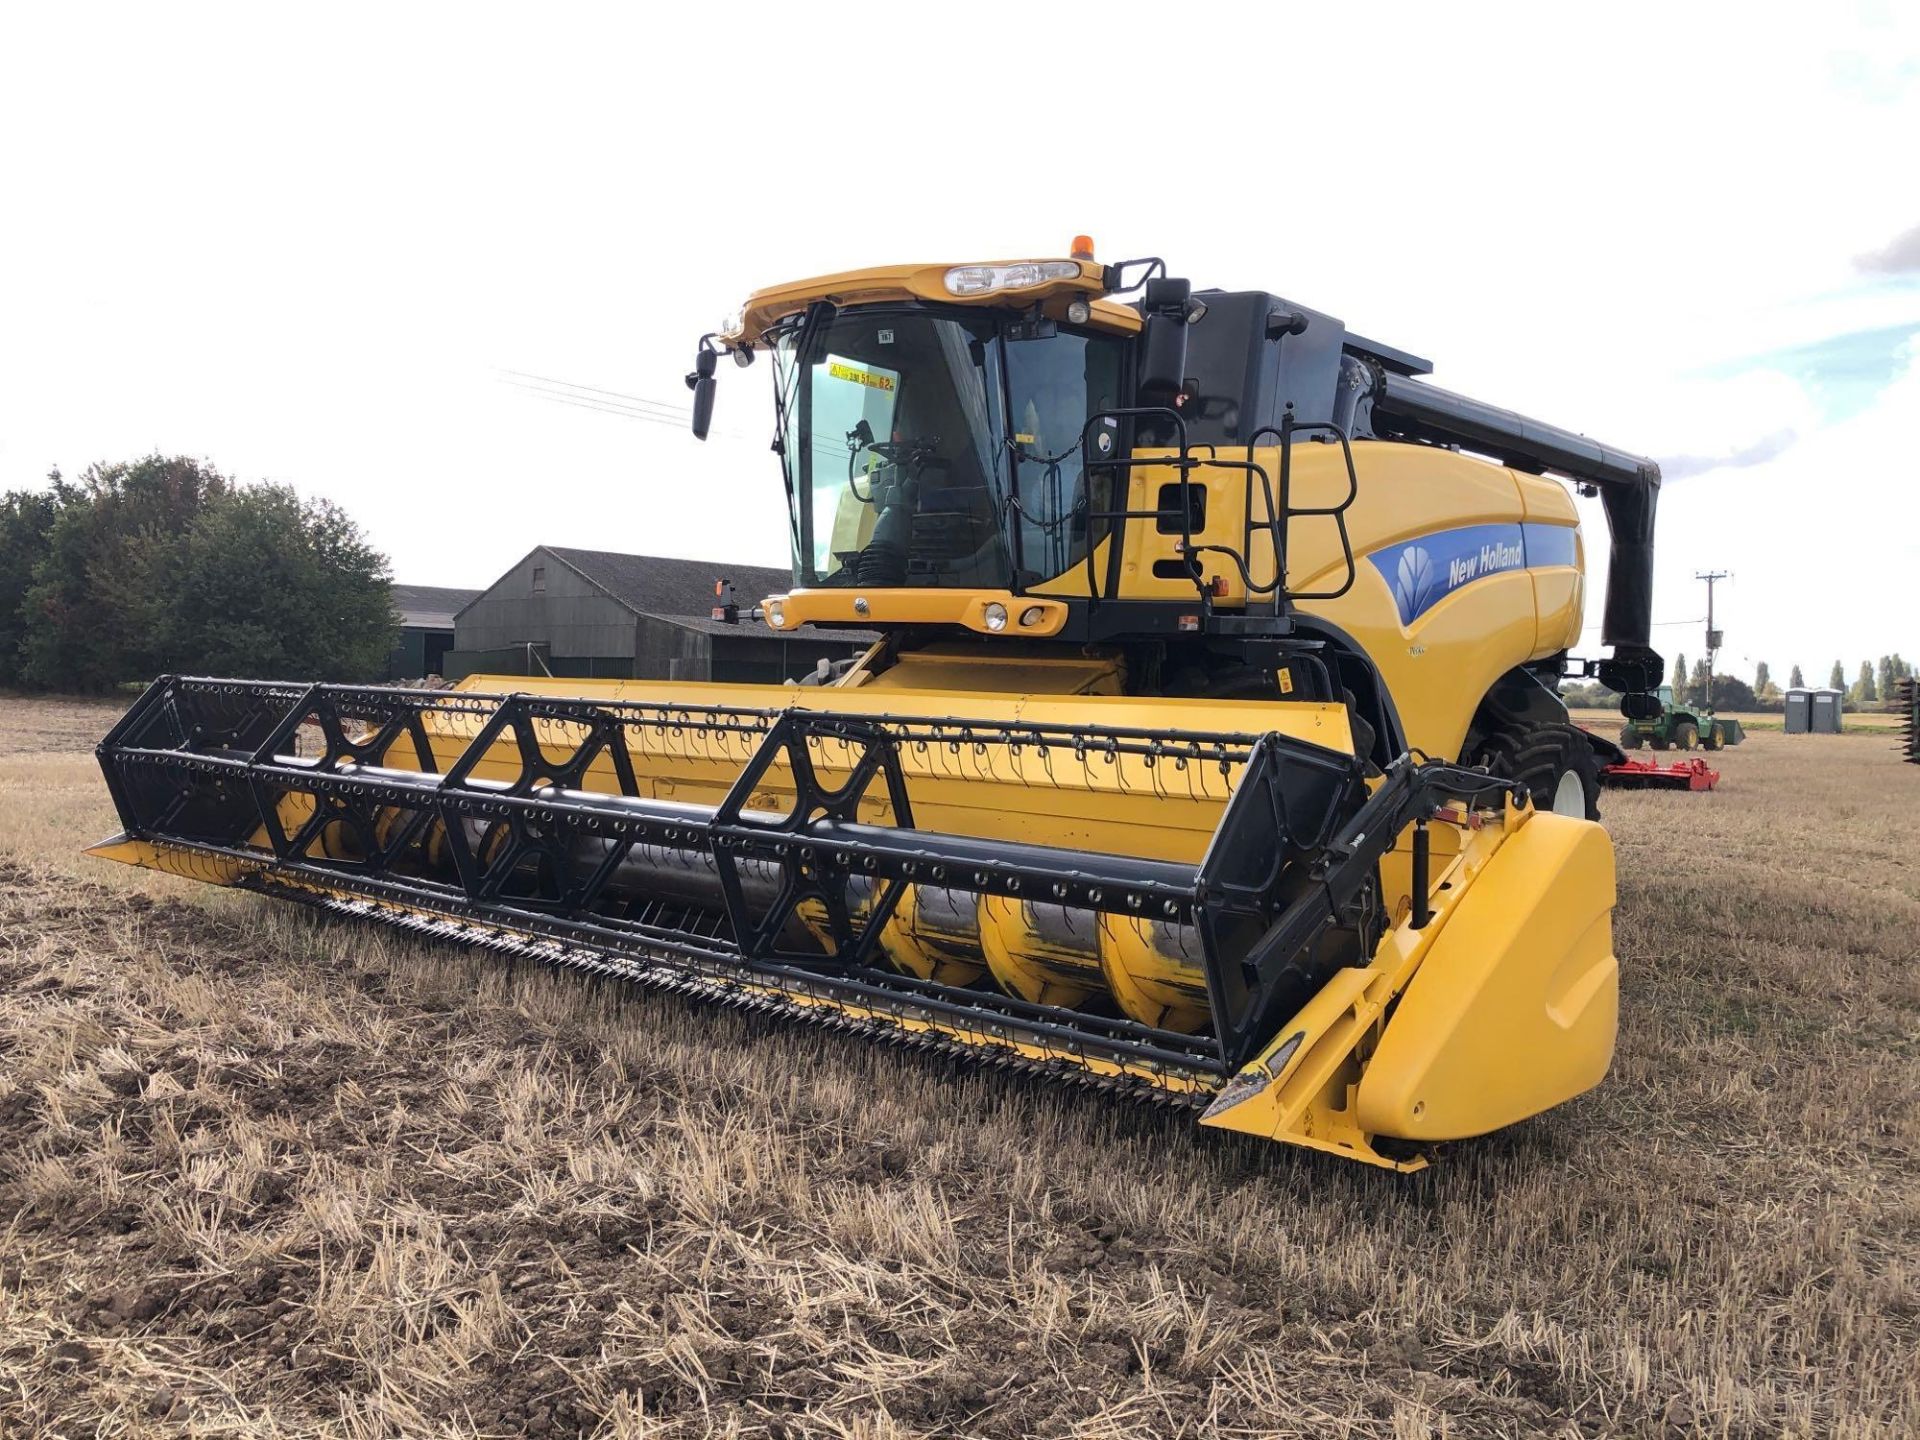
(986, 279)
(995, 615)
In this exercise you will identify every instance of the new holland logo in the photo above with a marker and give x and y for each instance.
(1416, 580)
(1421, 573)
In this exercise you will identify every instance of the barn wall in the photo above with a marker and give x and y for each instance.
(572, 618)
(671, 652)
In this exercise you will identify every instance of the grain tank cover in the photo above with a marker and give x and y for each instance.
(1252, 354)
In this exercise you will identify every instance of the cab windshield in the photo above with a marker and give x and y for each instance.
(907, 431)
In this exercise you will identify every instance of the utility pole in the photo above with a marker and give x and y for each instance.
(1713, 635)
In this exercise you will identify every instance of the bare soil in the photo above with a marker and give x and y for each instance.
(265, 1175)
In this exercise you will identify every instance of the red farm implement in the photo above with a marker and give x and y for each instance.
(1648, 775)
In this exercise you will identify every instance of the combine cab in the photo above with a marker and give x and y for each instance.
(1212, 753)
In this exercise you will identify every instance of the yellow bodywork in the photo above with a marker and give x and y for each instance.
(1507, 1004)
(1436, 667)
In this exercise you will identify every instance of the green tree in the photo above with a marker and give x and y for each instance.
(26, 520)
(267, 584)
(1864, 692)
(90, 625)
(1730, 692)
(1679, 679)
(1884, 677)
(1795, 681)
(1838, 679)
(1699, 692)
(166, 565)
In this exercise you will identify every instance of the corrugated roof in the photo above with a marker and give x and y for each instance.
(680, 592)
(430, 607)
(664, 586)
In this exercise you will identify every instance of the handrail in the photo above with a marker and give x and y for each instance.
(1280, 512)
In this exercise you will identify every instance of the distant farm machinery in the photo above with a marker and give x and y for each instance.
(1651, 775)
(1681, 727)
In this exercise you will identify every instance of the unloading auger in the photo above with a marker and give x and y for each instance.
(1194, 761)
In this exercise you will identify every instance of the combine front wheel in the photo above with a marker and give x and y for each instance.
(1556, 763)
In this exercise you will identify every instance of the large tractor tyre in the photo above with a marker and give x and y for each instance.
(1556, 763)
(1658, 743)
(1685, 735)
(1711, 740)
(1630, 737)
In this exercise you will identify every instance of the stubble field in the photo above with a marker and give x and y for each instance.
(265, 1175)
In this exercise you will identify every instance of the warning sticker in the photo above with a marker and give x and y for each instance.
(872, 379)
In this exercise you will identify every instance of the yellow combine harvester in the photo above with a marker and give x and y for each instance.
(1211, 751)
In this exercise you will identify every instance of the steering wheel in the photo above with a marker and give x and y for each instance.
(911, 455)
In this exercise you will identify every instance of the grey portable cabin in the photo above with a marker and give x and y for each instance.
(1824, 716)
(1799, 709)
(1814, 712)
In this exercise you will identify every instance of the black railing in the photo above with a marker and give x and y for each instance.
(1271, 594)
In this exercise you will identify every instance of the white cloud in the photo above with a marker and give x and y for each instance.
(1824, 543)
(1899, 256)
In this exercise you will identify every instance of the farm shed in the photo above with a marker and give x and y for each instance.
(425, 634)
(588, 613)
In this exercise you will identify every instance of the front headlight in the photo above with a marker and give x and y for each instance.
(995, 616)
(985, 279)
(776, 614)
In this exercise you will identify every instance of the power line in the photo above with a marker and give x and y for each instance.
(603, 397)
(607, 402)
(583, 403)
(596, 390)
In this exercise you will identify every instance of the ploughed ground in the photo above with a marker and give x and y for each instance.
(265, 1174)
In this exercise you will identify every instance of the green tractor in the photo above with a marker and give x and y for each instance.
(1681, 727)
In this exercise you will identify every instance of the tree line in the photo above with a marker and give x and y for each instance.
(1875, 683)
(166, 566)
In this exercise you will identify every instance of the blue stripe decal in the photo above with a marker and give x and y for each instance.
(1423, 572)
(1549, 545)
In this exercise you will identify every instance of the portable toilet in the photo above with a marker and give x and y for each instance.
(1823, 716)
(1799, 710)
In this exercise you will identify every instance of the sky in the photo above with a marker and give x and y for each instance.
(326, 247)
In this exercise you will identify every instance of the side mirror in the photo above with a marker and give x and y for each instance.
(702, 406)
(1167, 309)
(700, 381)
